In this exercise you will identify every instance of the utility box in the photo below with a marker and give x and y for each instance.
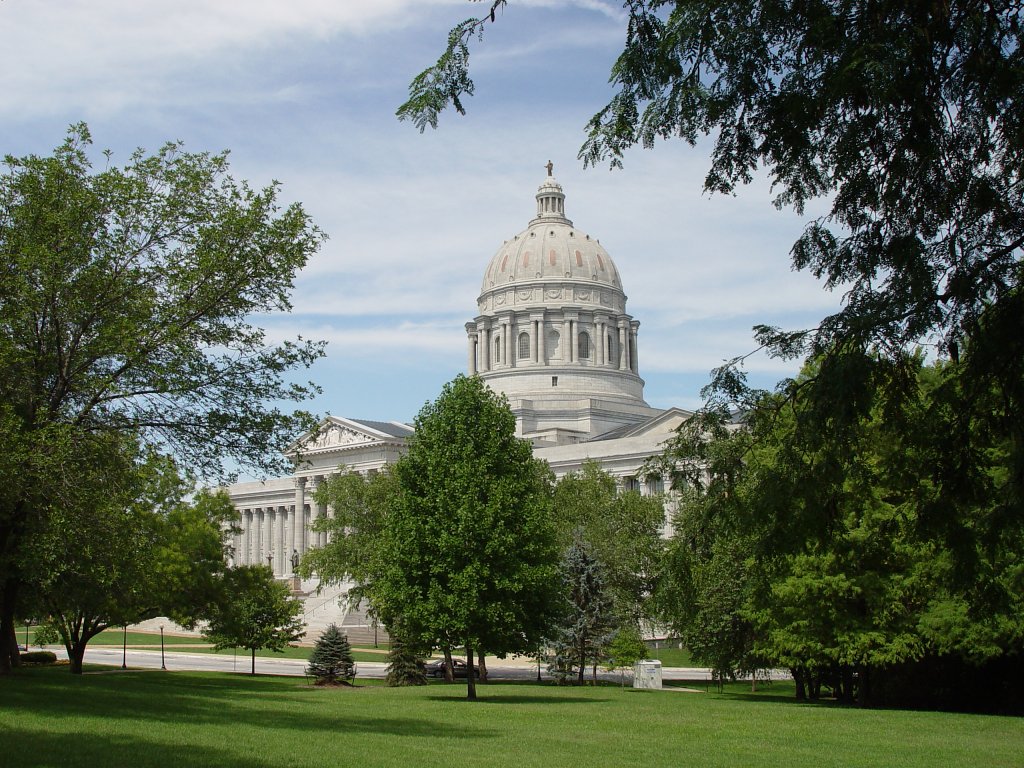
(647, 674)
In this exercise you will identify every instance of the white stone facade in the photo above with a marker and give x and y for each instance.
(552, 334)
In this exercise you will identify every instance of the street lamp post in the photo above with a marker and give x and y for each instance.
(124, 648)
(163, 662)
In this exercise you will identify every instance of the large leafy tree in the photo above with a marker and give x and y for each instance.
(126, 304)
(122, 545)
(471, 555)
(818, 549)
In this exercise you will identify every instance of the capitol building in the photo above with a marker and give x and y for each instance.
(552, 333)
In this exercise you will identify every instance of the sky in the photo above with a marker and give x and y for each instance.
(305, 91)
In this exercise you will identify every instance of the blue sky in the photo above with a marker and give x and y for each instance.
(304, 91)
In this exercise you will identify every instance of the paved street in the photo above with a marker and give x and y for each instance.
(209, 662)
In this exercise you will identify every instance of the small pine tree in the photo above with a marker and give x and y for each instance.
(331, 661)
(405, 666)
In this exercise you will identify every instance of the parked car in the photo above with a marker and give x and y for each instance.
(436, 668)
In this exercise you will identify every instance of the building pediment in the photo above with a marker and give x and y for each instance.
(339, 434)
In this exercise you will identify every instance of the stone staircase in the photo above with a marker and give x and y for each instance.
(331, 606)
(319, 611)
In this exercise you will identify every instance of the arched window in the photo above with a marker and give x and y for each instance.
(524, 345)
(584, 347)
(497, 349)
(610, 352)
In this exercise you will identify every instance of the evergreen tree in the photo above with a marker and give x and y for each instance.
(589, 623)
(405, 665)
(331, 661)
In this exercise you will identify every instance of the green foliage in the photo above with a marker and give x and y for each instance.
(471, 556)
(405, 665)
(254, 611)
(626, 649)
(115, 549)
(331, 659)
(39, 657)
(622, 532)
(447, 81)
(827, 551)
(588, 622)
(126, 304)
(355, 549)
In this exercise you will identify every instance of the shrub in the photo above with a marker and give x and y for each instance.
(38, 657)
(331, 661)
(405, 665)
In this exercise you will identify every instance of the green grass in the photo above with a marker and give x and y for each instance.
(671, 657)
(141, 719)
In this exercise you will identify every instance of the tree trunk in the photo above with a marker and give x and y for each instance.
(252, 671)
(798, 678)
(483, 666)
(863, 690)
(470, 677)
(449, 673)
(9, 655)
(76, 655)
(582, 660)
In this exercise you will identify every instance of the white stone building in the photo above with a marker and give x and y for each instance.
(552, 334)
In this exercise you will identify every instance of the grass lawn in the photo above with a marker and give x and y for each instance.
(112, 718)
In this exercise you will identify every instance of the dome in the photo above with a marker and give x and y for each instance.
(552, 333)
(551, 250)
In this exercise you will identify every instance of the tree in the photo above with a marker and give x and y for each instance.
(255, 611)
(354, 550)
(622, 532)
(471, 557)
(588, 623)
(121, 546)
(405, 665)
(126, 298)
(331, 660)
(625, 650)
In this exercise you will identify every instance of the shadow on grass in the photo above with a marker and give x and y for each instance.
(487, 698)
(215, 699)
(26, 748)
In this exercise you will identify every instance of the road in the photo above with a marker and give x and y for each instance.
(210, 662)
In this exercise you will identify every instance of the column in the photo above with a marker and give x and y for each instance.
(623, 356)
(506, 332)
(299, 518)
(246, 557)
(566, 340)
(542, 354)
(599, 353)
(471, 354)
(314, 514)
(634, 356)
(268, 535)
(281, 558)
(533, 340)
(483, 346)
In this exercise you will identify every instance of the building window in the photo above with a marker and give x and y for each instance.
(584, 347)
(554, 381)
(631, 484)
(497, 349)
(524, 345)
